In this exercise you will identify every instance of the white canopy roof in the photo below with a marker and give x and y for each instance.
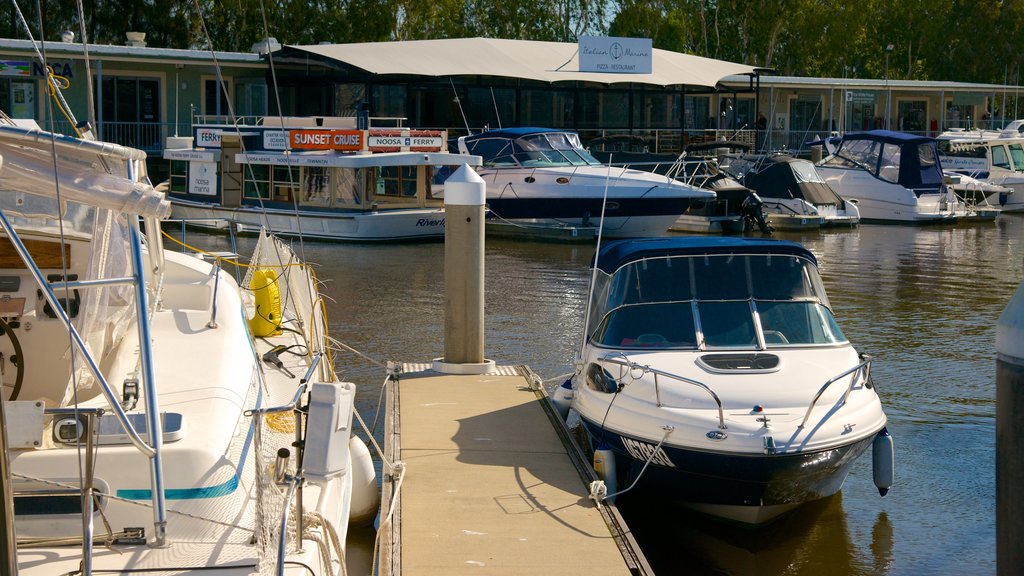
(526, 59)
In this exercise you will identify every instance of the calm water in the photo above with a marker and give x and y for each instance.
(922, 301)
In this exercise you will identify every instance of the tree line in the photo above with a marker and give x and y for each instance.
(948, 40)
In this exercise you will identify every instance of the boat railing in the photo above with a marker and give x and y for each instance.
(621, 360)
(861, 372)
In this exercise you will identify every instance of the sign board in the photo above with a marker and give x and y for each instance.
(965, 164)
(616, 55)
(202, 178)
(189, 155)
(350, 140)
(208, 138)
(25, 68)
(275, 159)
(861, 97)
(275, 140)
(406, 141)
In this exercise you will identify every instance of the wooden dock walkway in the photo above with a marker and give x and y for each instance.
(492, 484)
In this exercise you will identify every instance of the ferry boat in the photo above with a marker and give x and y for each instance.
(715, 375)
(316, 177)
(543, 176)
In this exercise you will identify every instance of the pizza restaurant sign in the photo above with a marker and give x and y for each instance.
(368, 140)
(612, 55)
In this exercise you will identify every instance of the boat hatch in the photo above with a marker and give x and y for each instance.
(55, 496)
(739, 362)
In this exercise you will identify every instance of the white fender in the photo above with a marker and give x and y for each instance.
(365, 495)
(561, 397)
(604, 466)
(883, 460)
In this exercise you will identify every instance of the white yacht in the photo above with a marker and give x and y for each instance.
(891, 177)
(715, 373)
(159, 417)
(794, 195)
(993, 164)
(541, 176)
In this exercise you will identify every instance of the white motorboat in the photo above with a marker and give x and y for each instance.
(541, 176)
(715, 373)
(992, 165)
(107, 337)
(794, 195)
(312, 177)
(891, 177)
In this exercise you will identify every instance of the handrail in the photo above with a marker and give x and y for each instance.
(863, 368)
(627, 363)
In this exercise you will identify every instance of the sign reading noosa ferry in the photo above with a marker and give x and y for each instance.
(616, 55)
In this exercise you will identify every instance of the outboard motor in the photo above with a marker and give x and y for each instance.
(752, 210)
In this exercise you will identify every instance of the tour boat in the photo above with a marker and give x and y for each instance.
(158, 415)
(714, 374)
(313, 177)
(992, 165)
(542, 176)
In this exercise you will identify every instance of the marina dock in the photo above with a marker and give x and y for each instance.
(492, 482)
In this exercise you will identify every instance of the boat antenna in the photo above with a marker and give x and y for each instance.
(597, 251)
(497, 114)
(459, 102)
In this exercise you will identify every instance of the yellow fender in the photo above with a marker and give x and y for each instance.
(267, 321)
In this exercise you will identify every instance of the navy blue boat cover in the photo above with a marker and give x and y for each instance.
(615, 254)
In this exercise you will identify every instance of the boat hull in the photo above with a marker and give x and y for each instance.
(382, 226)
(750, 488)
(623, 217)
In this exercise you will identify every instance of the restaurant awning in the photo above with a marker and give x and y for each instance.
(523, 59)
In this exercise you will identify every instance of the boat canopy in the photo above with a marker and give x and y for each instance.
(905, 159)
(531, 147)
(789, 177)
(614, 255)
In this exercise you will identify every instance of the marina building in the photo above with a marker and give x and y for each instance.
(144, 94)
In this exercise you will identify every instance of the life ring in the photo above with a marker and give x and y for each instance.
(267, 321)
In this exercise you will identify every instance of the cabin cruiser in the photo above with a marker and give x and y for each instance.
(794, 195)
(158, 415)
(992, 166)
(541, 176)
(891, 177)
(316, 177)
(715, 373)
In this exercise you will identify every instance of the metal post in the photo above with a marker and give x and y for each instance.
(1010, 436)
(888, 90)
(149, 385)
(464, 275)
(87, 499)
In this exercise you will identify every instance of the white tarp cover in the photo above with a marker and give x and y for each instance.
(526, 59)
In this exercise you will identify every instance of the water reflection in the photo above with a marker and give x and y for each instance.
(922, 301)
(813, 540)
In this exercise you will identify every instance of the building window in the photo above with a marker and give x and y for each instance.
(600, 109)
(250, 99)
(18, 98)
(547, 108)
(696, 111)
(913, 116)
(389, 101)
(130, 111)
(215, 101)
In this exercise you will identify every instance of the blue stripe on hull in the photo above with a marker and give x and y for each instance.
(729, 479)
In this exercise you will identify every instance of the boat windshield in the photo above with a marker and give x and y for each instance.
(541, 149)
(805, 172)
(753, 302)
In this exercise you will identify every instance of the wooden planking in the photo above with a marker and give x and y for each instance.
(46, 253)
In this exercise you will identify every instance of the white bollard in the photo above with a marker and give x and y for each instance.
(464, 199)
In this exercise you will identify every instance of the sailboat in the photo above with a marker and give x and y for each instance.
(158, 415)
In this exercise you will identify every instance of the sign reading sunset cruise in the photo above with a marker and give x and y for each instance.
(616, 55)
